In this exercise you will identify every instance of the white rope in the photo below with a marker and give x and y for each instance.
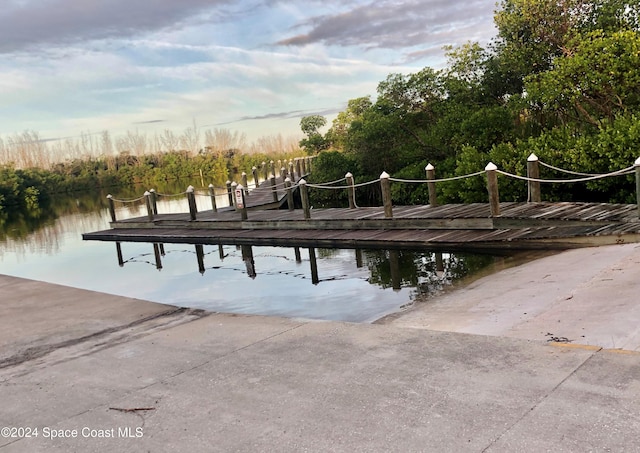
(362, 184)
(171, 195)
(330, 183)
(422, 181)
(624, 171)
(577, 173)
(133, 200)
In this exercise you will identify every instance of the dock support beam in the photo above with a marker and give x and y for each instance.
(191, 198)
(304, 195)
(533, 172)
(431, 186)
(492, 188)
(385, 184)
(351, 190)
(254, 172)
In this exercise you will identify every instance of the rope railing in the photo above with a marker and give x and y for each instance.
(624, 171)
(128, 200)
(237, 197)
(570, 172)
(453, 178)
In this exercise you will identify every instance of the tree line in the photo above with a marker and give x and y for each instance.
(32, 170)
(561, 79)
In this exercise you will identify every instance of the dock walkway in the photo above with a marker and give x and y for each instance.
(469, 226)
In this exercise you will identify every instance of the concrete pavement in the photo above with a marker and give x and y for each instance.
(114, 374)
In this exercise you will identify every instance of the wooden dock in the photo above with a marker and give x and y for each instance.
(541, 225)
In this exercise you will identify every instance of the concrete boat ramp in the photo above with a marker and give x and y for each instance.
(84, 371)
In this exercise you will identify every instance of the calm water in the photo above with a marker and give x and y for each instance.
(334, 284)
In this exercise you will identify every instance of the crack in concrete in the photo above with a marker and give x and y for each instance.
(540, 401)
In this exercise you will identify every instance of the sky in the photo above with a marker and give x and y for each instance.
(254, 66)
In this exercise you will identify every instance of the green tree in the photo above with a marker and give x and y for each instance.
(310, 126)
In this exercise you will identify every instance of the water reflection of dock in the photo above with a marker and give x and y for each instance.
(436, 266)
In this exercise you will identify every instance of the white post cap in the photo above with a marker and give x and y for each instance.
(287, 179)
(302, 181)
(210, 186)
(152, 190)
(348, 175)
(637, 164)
(109, 196)
(244, 173)
(532, 158)
(490, 166)
(239, 187)
(190, 189)
(254, 168)
(147, 193)
(429, 167)
(234, 184)
(385, 175)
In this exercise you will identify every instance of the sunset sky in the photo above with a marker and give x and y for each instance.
(253, 66)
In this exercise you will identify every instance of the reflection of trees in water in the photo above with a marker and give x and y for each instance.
(429, 272)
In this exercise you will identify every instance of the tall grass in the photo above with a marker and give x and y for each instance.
(30, 150)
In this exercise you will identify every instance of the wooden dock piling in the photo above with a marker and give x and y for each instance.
(385, 184)
(351, 190)
(533, 172)
(431, 186)
(492, 188)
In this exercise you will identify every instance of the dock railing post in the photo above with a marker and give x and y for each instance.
(240, 202)
(492, 188)
(112, 207)
(147, 202)
(637, 165)
(283, 173)
(385, 184)
(265, 171)
(303, 165)
(299, 167)
(274, 189)
(431, 186)
(212, 195)
(244, 183)
(272, 164)
(533, 172)
(287, 184)
(291, 174)
(279, 167)
(191, 198)
(254, 172)
(229, 192)
(351, 190)
(154, 201)
(232, 195)
(304, 195)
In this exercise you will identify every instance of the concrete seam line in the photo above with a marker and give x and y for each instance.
(532, 408)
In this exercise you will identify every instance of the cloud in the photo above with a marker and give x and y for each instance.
(62, 21)
(149, 122)
(394, 24)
